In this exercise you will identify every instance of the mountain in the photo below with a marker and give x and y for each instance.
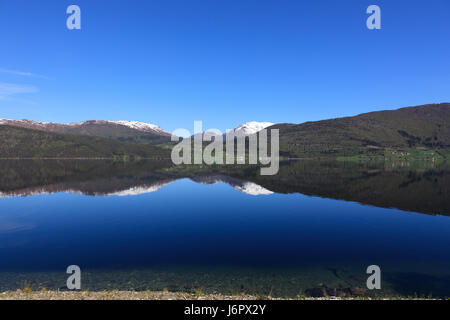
(411, 129)
(125, 131)
(19, 142)
(413, 132)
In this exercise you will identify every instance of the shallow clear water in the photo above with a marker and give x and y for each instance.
(217, 232)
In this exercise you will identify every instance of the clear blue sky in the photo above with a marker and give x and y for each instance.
(221, 61)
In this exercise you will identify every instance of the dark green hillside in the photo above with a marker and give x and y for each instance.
(113, 131)
(412, 129)
(18, 142)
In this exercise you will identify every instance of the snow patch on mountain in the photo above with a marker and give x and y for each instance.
(137, 125)
(31, 122)
(251, 127)
(141, 126)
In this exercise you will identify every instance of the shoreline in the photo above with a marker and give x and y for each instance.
(163, 295)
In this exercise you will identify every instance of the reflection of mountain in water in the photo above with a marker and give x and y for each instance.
(137, 190)
(243, 186)
(422, 187)
(130, 185)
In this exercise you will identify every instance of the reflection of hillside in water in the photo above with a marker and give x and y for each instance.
(420, 187)
(103, 188)
(89, 189)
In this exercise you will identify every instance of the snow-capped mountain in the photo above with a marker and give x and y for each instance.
(123, 130)
(142, 126)
(251, 127)
(137, 125)
(244, 129)
(128, 131)
(25, 123)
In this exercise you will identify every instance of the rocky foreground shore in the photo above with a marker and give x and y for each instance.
(150, 295)
(117, 295)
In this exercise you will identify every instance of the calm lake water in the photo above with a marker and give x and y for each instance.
(313, 229)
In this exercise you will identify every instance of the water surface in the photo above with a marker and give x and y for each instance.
(313, 229)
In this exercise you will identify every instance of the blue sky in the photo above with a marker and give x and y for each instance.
(171, 62)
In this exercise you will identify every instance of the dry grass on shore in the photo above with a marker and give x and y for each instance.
(27, 294)
(117, 295)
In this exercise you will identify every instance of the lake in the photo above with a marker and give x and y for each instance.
(313, 229)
